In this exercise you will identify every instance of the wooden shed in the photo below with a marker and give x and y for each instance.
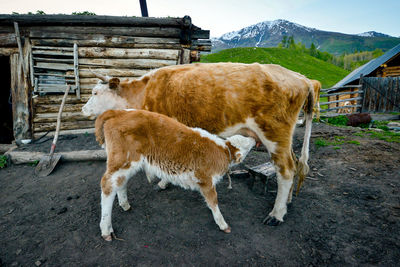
(377, 91)
(41, 54)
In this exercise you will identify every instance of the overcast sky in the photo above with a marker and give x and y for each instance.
(221, 16)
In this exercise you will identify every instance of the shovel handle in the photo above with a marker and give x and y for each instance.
(53, 145)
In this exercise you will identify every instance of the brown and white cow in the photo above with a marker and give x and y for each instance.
(189, 157)
(225, 99)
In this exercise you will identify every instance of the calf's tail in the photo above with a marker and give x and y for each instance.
(302, 166)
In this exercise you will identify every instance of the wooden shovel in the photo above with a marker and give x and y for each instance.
(47, 163)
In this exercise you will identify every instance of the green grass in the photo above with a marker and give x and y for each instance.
(387, 136)
(335, 143)
(340, 120)
(3, 161)
(328, 74)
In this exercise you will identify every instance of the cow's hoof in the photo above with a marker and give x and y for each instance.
(107, 237)
(126, 206)
(227, 230)
(271, 221)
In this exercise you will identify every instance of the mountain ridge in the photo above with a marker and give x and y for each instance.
(270, 34)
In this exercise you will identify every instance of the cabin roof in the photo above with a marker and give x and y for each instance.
(369, 67)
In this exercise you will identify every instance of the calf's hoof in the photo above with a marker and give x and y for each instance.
(271, 221)
(107, 237)
(227, 230)
(158, 188)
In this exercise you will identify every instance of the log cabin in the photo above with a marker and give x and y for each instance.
(40, 55)
(380, 86)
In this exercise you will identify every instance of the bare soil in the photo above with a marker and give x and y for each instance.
(347, 213)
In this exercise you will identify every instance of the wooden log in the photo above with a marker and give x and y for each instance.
(25, 157)
(76, 72)
(86, 73)
(8, 40)
(54, 108)
(54, 49)
(114, 42)
(8, 51)
(102, 52)
(77, 20)
(56, 99)
(65, 132)
(127, 63)
(343, 93)
(50, 32)
(68, 125)
(66, 116)
(342, 100)
(20, 101)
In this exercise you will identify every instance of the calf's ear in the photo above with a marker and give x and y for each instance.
(113, 83)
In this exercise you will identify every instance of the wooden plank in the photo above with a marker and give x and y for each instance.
(52, 48)
(184, 57)
(102, 52)
(342, 100)
(7, 51)
(25, 157)
(114, 42)
(8, 40)
(51, 126)
(343, 93)
(66, 132)
(56, 99)
(54, 108)
(65, 116)
(54, 60)
(86, 73)
(52, 53)
(340, 87)
(127, 63)
(76, 72)
(20, 101)
(50, 32)
(99, 21)
(340, 107)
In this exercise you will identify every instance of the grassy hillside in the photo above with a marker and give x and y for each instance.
(328, 74)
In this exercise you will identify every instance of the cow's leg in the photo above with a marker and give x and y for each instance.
(210, 195)
(284, 171)
(108, 193)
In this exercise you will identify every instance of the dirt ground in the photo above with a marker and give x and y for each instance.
(347, 213)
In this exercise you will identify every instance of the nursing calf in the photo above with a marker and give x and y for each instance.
(189, 157)
(226, 99)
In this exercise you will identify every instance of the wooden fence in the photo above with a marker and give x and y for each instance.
(381, 94)
(372, 94)
(351, 94)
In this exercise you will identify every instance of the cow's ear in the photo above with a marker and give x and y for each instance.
(113, 83)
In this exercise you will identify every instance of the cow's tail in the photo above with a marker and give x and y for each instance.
(99, 125)
(302, 166)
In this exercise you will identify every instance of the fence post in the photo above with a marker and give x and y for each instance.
(362, 101)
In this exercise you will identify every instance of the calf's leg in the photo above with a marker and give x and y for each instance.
(210, 195)
(107, 199)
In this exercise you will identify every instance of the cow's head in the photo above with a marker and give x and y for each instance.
(239, 146)
(105, 96)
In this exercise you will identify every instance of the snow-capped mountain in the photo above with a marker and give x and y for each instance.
(270, 34)
(373, 34)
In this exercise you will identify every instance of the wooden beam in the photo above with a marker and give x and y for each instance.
(76, 72)
(102, 52)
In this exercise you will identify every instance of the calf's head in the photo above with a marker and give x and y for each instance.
(105, 96)
(239, 146)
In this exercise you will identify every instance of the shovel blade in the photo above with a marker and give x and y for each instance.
(47, 164)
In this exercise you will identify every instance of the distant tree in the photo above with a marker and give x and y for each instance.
(284, 41)
(313, 50)
(40, 12)
(291, 42)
